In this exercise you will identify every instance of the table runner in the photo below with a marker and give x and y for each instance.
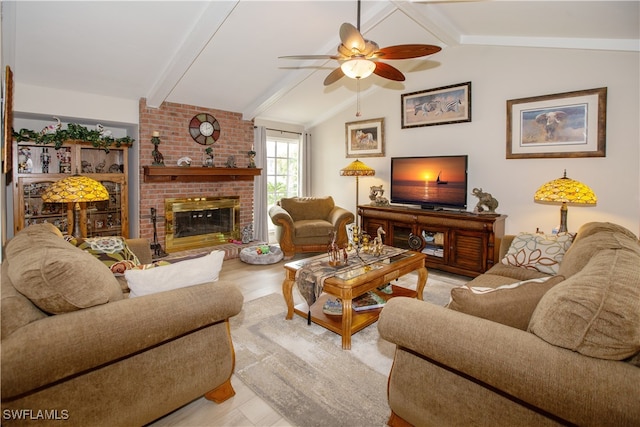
(310, 278)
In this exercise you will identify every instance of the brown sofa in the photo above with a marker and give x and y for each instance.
(577, 361)
(305, 224)
(104, 359)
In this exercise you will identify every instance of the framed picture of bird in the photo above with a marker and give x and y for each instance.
(570, 124)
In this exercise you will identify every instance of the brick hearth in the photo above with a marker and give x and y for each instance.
(172, 121)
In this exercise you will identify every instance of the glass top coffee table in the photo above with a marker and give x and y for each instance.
(350, 284)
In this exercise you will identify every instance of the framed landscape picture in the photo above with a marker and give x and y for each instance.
(570, 124)
(365, 138)
(439, 106)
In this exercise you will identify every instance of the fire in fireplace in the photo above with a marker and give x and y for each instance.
(198, 222)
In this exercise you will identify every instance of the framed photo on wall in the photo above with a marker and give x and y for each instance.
(7, 117)
(439, 106)
(570, 124)
(365, 138)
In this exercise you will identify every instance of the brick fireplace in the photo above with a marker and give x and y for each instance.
(172, 122)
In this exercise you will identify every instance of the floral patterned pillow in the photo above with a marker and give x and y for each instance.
(538, 251)
(111, 250)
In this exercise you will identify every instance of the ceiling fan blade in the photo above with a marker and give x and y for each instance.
(334, 76)
(309, 57)
(351, 37)
(406, 51)
(388, 72)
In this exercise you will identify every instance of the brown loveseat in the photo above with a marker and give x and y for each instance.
(577, 362)
(104, 359)
(305, 224)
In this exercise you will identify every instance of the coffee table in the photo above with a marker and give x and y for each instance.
(348, 285)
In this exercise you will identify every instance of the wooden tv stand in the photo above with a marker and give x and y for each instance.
(458, 242)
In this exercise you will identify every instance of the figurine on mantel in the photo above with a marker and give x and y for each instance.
(158, 158)
(231, 162)
(252, 157)
(208, 158)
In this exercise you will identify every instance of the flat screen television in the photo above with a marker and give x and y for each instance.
(435, 182)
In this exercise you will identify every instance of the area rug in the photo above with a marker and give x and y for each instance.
(302, 371)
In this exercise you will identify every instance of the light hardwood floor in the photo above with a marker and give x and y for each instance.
(245, 409)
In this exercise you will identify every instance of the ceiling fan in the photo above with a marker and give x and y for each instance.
(359, 57)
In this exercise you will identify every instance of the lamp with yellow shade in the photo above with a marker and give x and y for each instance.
(357, 169)
(565, 191)
(75, 189)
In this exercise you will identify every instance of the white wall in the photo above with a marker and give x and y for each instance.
(497, 75)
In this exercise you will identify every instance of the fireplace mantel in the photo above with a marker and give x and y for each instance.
(197, 174)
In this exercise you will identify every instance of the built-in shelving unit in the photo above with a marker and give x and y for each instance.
(37, 166)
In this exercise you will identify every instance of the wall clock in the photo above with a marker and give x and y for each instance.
(204, 129)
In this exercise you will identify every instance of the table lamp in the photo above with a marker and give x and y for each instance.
(565, 191)
(357, 169)
(75, 189)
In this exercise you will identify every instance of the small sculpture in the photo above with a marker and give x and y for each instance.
(247, 233)
(335, 255)
(100, 166)
(104, 133)
(208, 158)
(231, 162)
(252, 158)
(45, 159)
(376, 196)
(486, 203)
(52, 128)
(158, 158)
(378, 243)
(25, 164)
(184, 161)
(86, 167)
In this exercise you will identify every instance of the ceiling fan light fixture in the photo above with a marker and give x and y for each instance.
(358, 68)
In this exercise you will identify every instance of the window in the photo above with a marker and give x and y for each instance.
(283, 170)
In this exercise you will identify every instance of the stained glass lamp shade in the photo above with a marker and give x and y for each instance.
(357, 169)
(565, 191)
(75, 189)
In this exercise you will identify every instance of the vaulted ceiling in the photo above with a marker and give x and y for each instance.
(224, 54)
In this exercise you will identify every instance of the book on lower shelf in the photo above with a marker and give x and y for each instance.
(368, 301)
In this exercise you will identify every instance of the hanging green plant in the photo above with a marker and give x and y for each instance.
(74, 131)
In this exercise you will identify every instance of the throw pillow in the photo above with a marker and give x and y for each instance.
(55, 276)
(538, 251)
(173, 276)
(113, 251)
(511, 304)
(596, 312)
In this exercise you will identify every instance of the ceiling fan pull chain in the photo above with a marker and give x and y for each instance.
(358, 113)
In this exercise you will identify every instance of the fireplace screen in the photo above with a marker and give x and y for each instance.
(200, 222)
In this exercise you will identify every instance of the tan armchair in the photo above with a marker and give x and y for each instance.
(305, 224)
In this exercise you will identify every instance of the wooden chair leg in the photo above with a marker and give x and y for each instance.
(397, 421)
(221, 393)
